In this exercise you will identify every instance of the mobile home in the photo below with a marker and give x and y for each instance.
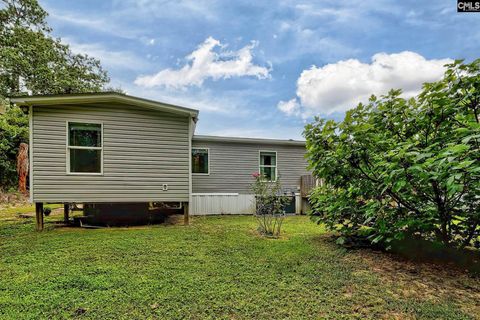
(114, 148)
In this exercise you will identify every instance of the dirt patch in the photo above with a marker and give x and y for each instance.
(422, 281)
(174, 219)
(412, 280)
(12, 200)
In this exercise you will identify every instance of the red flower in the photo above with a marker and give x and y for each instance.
(256, 174)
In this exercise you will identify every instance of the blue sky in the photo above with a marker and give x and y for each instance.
(265, 68)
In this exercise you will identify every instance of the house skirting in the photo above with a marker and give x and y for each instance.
(222, 203)
(229, 203)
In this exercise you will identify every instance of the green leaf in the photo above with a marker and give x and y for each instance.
(341, 241)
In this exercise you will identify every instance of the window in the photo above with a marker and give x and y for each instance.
(268, 165)
(200, 163)
(84, 148)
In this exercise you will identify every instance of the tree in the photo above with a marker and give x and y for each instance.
(22, 167)
(397, 167)
(33, 62)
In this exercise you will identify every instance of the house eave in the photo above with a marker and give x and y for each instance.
(90, 98)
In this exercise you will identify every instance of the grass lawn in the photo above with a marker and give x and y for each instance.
(216, 268)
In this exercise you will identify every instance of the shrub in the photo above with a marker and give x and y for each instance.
(269, 207)
(397, 167)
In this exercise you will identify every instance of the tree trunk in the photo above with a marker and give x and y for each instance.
(22, 167)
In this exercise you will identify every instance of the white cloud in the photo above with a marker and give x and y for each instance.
(336, 13)
(233, 104)
(290, 107)
(180, 9)
(110, 59)
(105, 25)
(128, 19)
(304, 40)
(340, 86)
(205, 101)
(205, 63)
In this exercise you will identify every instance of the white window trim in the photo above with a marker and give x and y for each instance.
(268, 166)
(208, 154)
(68, 147)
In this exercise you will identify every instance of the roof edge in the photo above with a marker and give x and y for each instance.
(207, 138)
(84, 98)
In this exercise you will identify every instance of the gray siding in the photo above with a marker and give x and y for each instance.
(232, 165)
(142, 150)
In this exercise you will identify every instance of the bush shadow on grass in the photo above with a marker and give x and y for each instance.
(415, 250)
(434, 252)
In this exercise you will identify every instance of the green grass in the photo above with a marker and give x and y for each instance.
(216, 268)
(10, 212)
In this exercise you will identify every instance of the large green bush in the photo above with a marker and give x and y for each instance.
(397, 167)
(13, 131)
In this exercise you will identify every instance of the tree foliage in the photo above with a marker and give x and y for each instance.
(32, 61)
(397, 167)
(13, 131)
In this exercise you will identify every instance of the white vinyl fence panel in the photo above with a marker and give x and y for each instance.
(222, 203)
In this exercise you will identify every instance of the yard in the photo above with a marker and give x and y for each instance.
(216, 268)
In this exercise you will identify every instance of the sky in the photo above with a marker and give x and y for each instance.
(266, 68)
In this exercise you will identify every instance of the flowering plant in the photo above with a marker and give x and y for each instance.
(269, 205)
